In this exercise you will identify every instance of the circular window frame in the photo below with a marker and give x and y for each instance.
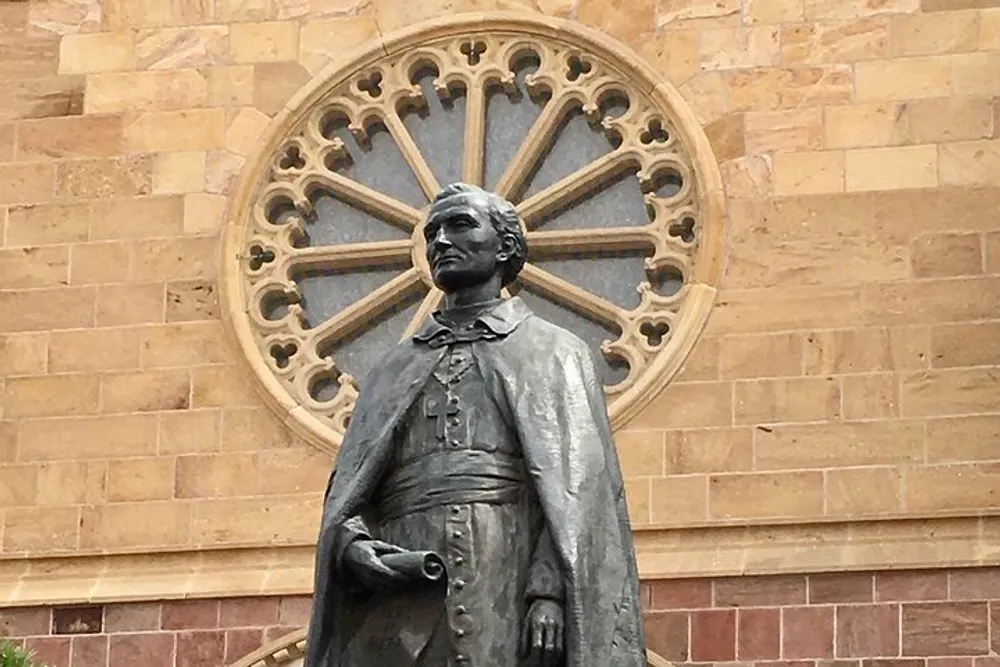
(700, 285)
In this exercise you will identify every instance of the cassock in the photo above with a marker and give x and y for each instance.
(487, 443)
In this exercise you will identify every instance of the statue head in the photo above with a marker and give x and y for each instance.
(473, 235)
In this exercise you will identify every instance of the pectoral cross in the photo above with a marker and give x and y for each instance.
(440, 410)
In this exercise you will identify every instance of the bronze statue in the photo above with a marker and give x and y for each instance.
(476, 516)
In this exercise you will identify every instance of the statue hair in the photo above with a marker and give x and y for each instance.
(505, 219)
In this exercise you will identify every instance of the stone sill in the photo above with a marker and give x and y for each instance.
(707, 551)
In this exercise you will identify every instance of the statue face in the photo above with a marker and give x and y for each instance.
(463, 246)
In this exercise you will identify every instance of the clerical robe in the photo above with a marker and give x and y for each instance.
(490, 446)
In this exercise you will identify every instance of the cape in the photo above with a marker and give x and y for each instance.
(545, 377)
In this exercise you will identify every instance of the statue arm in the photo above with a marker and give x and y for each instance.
(545, 578)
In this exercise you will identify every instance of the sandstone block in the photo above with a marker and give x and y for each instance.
(873, 124)
(88, 437)
(175, 259)
(868, 630)
(24, 354)
(293, 471)
(96, 52)
(970, 163)
(767, 355)
(778, 131)
(222, 386)
(812, 172)
(968, 344)
(785, 308)
(26, 54)
(931, 301)
(317, 49)
(950, 392)
(322, 9)
(679, 499)
(48, 396)
(190, 431)
(641, 453)
(709, 450)
(847, 9)
(123, 14)
(674, 11)
(991, 246)
(969, 486)
(989, 29)
(727, 137)
(97, 263)
(863, 491)
(34, 267)
(41, 529)
(835, 42)
(272, 41)
(891, 168)
(104, 178)
(708, 95)
(778, 88)
(7, 142)
(231, 85)
(216, 476)
(748, 177)
(29, 183)
(48, 223)
(180, 48)
(246, 131)
(691, 404)
(221, 169)
(64, 483)
(74, 136)
(42, 98)
(185, 344)
(275, 83)
(629, 23)
(942, 255)
(931, 34)
(286, 519)
(42, 310)
(188, 130)
(948, 119)
(145, 391)
(255, 428)
(116, 92)
(837, 351)
(136, 219)
(19, 485)
(244, 10)
(178, 173)
(93, 350)
(840, 445)
(131, 480)
(772, 495)
(975, 73)
(903, 78)
(786, 400)
(203, 213)
(739, 47)
(774, 11)
(149, 524)
(702, 363)
(66, 17)
(189, 300)
(962, 439)
(872, 396)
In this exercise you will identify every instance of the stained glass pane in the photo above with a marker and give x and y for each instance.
(326, 293)
(337, 222)
(613, 276)
(507, 123)
(359, 355)
(438, 130)
(575, 145)
(619, 204)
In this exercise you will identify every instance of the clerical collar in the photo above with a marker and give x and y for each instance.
(493, 322)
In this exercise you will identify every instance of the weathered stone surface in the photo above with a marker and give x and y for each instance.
(273, 41)
(808, 173)
(66, 17)
(789, 87)
(145, 91)
(739, 48)
(179, 48)
(70, 137)
(835, 42)
(892, 168)
(275, 83)
(42, 98)
(188, 130)
(777, 131)
(317, 49)
(102, 178)
(97, 52)
(903, 79)
(970, 163)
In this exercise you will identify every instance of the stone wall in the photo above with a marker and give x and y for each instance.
(849, 372)
(932, 618)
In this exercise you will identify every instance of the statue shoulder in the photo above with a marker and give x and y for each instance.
(545, 336)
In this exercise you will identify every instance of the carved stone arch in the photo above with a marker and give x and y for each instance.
(290, 650)
(654, 143)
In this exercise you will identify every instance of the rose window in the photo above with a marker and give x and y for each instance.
(612, 177)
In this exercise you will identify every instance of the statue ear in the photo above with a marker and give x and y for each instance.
(508, 247)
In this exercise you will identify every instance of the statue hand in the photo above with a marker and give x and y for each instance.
(543, 631)
(362, 558)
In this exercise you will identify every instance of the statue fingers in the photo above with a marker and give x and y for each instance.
(550, 635)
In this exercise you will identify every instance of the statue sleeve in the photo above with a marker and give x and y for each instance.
(545, 578)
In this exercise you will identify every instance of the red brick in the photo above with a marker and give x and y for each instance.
(840, 587)
(201, 649)
(867, 631)
(759, 634)
(240, 643)
(975, 584)
(131, 617)
(807, 632)
(25, 622)
(249, 613)
(667, 634)
(77, 620)
(294, 611)
(893, 662)
(911, 586)
(838, 663)
(945, 628)
(681, 594)
(995, 627)
(146, 649)
(949, 662)
(760, 591)
(986, 662)
(713, 635)
(52, 651)
(89, 651)
(190, 615)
